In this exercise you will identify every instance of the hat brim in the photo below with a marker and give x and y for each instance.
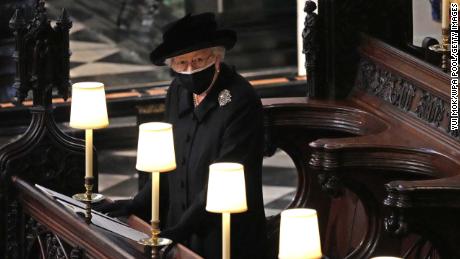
(224, 38)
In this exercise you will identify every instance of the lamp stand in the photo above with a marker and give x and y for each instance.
(225, 235)
(154, 241)
(443, 48)
(88, 197)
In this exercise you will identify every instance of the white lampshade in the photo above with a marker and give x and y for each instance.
(226, 188)
(155, 148)
(386, 257)
(299, 235)
(89, 108)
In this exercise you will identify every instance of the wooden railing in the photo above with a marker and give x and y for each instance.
(50, 228)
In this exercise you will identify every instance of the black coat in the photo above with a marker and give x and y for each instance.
(213, 132)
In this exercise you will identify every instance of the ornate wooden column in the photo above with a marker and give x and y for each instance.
(7, 68)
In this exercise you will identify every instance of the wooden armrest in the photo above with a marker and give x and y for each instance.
(443, 192)
(429, 208)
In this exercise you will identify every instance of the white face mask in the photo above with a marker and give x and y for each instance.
(196, 70)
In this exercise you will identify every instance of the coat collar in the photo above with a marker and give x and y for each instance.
(211, 100)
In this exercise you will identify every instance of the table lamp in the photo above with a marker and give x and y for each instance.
(226, 194)
(299, 235)
(155, 154)
(88, 111)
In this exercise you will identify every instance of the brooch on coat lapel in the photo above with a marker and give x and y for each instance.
(224, 97)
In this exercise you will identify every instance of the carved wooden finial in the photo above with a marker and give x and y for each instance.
(17, 21)
(64, 20)
(42, 56)
(310, 6)
(41, 4)
(311, 48)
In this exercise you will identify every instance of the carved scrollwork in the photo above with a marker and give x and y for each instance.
(331, 184)
(76, 253)
(401, 94)
(384, 84)
(380, 81)
(39, 240)
(54, 247)
(32, 228)
(366, 73)
(12, 241)
(395, 224)
(431, 108)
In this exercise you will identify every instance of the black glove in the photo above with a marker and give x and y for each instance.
(118, 208)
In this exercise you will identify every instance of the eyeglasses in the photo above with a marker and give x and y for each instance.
(195, 63)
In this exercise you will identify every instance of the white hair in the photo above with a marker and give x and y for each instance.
(217, 51)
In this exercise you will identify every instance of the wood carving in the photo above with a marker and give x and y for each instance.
(311, 47)
(394, 223)
(47, 50)
(62, 232)
(48, 245)
(386, 85)
(409, 97)
(12, 217)
(431, 109)
(43, 154)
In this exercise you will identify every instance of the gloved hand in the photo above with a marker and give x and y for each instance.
(118, 208)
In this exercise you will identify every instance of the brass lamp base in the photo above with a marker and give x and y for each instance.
(154, 241)
(440, 48)
(95, 197)
(88, 197)
(158, 242)
(443, 48)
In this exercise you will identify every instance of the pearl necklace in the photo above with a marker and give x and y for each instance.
(195, 100)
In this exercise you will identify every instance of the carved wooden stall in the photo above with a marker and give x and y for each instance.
(384, 155)
(43, 153)
(394, 126)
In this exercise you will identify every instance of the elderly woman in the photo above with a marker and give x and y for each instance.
(216, 117)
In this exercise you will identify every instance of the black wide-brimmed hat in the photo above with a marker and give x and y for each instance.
(190, 33)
